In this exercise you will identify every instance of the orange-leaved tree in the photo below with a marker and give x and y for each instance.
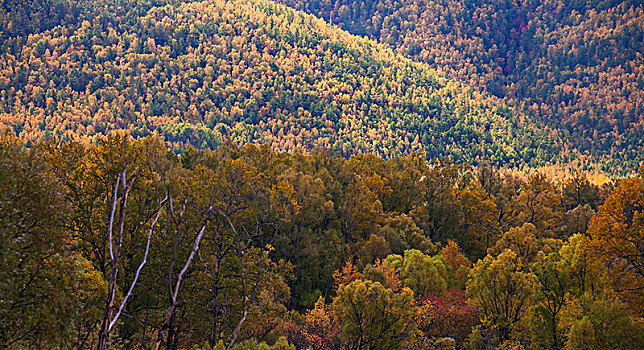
(617, 239)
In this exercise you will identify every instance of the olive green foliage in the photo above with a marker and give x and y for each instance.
(550, 298)
(422, 273)
(502, 288)
(373, 316)
(281, 344)
(605, 325)
(48, 291)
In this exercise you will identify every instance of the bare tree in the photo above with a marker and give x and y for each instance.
(174, 291)
(109, 319)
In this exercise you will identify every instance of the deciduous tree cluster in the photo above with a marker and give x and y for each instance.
(125, 243)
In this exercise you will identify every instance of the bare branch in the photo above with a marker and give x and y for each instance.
(116, 189)
(138, 271)
(195, 248)
(104, 334)
(174, 293)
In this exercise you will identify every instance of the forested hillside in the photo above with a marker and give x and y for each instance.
(252, 71)
(125, 244)
(394, 201)
(577, 64)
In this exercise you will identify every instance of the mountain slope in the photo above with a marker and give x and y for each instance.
(253, 71)
(579, 65)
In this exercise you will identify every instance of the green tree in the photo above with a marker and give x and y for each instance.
(374, 317)
(439, 211)
(502, 289)
(422, 273)
(605, 324)
(42, 281)
(550, 298)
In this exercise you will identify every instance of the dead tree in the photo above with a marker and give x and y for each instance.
(115, 244)
(174, 290)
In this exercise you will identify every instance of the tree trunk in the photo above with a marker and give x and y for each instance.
(165, 327)
(104, 334)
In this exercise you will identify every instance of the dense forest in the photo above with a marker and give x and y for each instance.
(321, 175)
(198, 73)
(578, 65)
(532, 84)
(125, 244)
